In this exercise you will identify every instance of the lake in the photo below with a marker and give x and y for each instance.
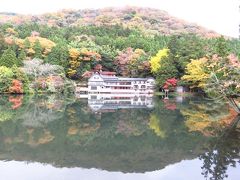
(117, 137)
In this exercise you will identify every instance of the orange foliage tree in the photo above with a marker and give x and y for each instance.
(17, 87)
(80, 57)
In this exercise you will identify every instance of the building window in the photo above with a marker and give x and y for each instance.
(93, 87)
(93, 97)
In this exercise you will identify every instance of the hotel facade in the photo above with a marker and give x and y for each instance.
(99, 83)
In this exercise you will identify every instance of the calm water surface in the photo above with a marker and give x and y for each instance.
(117, 137)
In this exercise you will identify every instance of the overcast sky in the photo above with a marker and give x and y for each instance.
(222, 16)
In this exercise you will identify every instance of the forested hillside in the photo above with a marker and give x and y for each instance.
(43, 52)
(150, 21)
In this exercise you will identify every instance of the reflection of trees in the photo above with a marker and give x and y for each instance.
(27, 123)
(11, 106)
(221, 153)
(43, 109)
(85, 126)
(34, 110)
(132, 122)
(211, 118)
(165, 119)
(123, 140)
(118, 141)
(206, 116)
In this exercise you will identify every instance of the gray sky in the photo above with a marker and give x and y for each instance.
(222, 16)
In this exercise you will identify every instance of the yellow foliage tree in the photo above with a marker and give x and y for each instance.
(73, 62)
(46, 44)
(74, 53)
(155, 61)
(11, 32)
(196, 73)
(30, 51)
(19, 43)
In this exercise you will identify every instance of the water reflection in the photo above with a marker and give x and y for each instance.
(124, 133)
(111, 102)
(222, 153)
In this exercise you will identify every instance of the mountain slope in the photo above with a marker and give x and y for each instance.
(151, 21)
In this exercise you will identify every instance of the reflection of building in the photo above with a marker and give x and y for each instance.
(110, 102)
(99, 83)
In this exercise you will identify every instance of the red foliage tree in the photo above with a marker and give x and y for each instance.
(17, 87)
(170, 84)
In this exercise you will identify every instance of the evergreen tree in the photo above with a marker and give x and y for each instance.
(22, 55)
(183, 48)
(222, 48)
(3, 45)
(27, 44)
(9, 59)
(58, 55)
(166, 71)
(38, 49)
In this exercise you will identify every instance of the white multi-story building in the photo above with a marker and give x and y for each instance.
(116, 85)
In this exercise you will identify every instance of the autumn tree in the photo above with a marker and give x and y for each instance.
(155, 61)
(130, 62)
(218, 76)
(74, 62)
(196, 74)
(224, 81)
(80, 61)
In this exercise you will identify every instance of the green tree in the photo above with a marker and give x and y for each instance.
(9, 59)
(183, 48)
(27, 44)
(3, 45)
(166, 71)
(22, 55)
(6, 76)
(38, 49)
(58, 55)
(222, 48)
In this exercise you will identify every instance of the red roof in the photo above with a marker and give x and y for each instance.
(88, 74)
(108, 73)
